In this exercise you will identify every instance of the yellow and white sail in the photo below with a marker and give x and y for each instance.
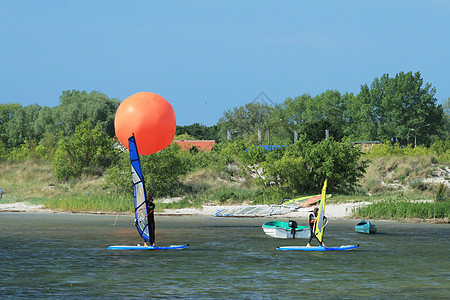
(319, 226)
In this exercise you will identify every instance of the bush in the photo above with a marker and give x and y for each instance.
(118, 176)
(3, 150)
(438, 151)
(417, 184)
(89, 151)
(225, 156)
(303, 167)
(385, 149)
(441, 194)
(253, 155)
(47, 147)
(23, 152)
(161, 171)
(195, 160)
(440, 147)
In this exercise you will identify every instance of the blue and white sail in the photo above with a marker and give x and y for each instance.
(140, 199)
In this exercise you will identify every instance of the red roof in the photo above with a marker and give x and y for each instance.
(200, 144)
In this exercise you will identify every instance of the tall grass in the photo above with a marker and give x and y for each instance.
(34, 182)
(389, 209)
(441, 193)
(400, 174)
(25, 180)
(227, 195)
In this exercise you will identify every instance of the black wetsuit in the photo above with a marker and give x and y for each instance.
(312, 221)
(151, 222)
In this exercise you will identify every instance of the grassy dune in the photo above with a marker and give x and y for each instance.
(393, 185)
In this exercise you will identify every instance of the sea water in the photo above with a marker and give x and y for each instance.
(47, 255)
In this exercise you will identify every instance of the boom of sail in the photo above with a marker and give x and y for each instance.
(319, 225)
(140, 199)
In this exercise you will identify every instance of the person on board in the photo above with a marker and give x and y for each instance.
(151, 221)
(312, 218)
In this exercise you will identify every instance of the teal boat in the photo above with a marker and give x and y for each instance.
(285, 230)
(365, 227)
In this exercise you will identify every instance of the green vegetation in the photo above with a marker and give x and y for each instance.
(88, 152)
(391, 209)
(197, 131)
(201, 181)
(401, 108)
(303, 167)
(441, 194)
(66, 157)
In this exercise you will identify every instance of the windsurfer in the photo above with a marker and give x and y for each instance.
(312, 218)
(151, 221)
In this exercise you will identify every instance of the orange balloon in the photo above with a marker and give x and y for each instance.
(150, 117)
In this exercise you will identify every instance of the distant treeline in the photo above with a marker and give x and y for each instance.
(401, 109)
(34, 123)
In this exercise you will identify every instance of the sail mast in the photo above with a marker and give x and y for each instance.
(140, 199)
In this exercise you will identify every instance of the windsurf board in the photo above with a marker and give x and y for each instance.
(138, 247)
(318, 248)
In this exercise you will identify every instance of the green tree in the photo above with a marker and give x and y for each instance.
(403, 104)
(446, 109)
(76, 107)
(244, 122)
(290, 112)
(47, 122)
(199, 131)
(361, 123)
(313, 115)
(292, 108)
(325, 111)
(20, 127)
(7, 112)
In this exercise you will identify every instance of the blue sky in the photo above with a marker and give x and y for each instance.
(208, 56)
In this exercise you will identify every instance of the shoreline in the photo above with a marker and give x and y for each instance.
(333, 211)
(342, 211)
(23, 207)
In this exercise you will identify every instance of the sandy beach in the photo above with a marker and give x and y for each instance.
(22, 207)
(333, 211)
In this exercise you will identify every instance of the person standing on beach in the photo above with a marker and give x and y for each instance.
(151, 221)
(312, 219)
